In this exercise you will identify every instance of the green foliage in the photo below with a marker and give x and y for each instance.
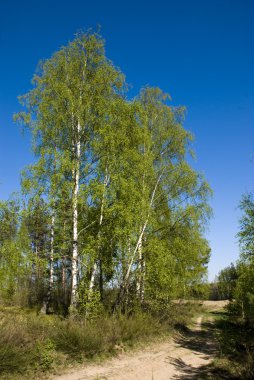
(14, 252)
(244, 289)
(244, 293)
(46, 354)
(111, 203)
(89, 305)
(246, 233)
(226, 282)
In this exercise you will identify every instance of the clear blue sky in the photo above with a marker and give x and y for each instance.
(200, 51)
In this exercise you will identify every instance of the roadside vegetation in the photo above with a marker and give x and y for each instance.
(34, 346)
(235, 327)
(236, 343)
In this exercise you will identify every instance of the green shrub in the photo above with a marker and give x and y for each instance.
(45, 354)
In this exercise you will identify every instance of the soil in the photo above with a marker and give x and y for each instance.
(186, 356)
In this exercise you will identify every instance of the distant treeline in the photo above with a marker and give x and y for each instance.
(236, 282)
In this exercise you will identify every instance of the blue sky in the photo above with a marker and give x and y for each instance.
(200, 51)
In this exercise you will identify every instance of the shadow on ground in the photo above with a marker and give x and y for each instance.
(199, 341)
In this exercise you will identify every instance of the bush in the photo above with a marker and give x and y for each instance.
(74, 338)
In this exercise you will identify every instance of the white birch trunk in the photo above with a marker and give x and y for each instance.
(139, 242)
(74, 268)
(51, 269)
(139, 274)
(51, 272)
(91, 284)
(64, 268)
(76, 175)
(140, 287)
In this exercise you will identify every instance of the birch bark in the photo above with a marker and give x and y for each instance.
(124, 284)
(74, 267)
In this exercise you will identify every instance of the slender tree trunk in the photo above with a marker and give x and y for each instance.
(64, 275)
(37, 269)
(98, 259)
(142, 283)
(91, 284)
(101, 279)
(140, 287)
(139, 270)
(64, 268)
(74, 267)
(124, 284)
(51, 265)
(64, 301)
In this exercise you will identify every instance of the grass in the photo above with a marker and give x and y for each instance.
(33, 345)
(236, 342)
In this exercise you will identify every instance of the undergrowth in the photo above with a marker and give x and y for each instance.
(234, 347)
(236, 343)
(32, 345)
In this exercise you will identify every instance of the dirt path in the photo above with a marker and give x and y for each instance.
(187, 356)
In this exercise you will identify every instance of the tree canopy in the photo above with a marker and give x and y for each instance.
(112, 212)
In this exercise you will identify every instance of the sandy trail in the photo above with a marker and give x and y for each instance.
(183, 357)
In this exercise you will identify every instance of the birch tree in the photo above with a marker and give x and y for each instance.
(66, 110)
(167, 185)
(121, 203)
